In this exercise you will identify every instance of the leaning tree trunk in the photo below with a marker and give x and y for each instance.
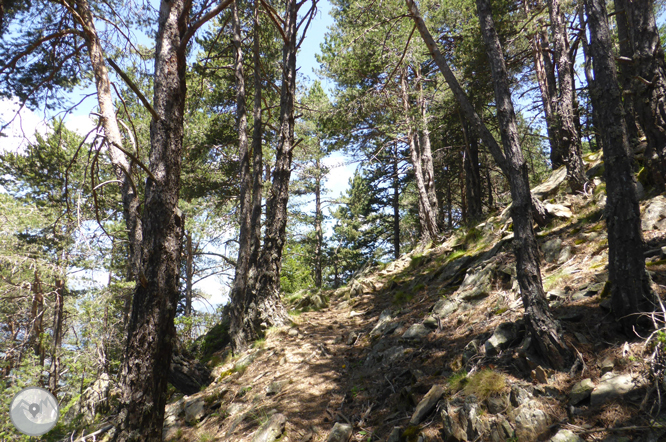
(589, 78)
(257, 152)
(429, 229)
(319, 235)
(122, 168)
(631, 293)
(151, 331)
(565, 112)
(540, 322)
(649, 85)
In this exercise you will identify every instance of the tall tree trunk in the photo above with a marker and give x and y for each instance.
(257, 151)
(589, 78)
(37, 318)
(489, 184)
(189, 274)
(122, 168)
(260, 306)
(472, 174)
(58, 315)
(151, 330)
(429, 229)
(649, 85)
(540, 323)
(631, 293)
(318, 231)
(565, 113)
(396, 204)
(427, 166)
(543, 70)
(240, 285)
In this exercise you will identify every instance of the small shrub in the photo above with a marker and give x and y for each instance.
(402, 297)
(486, 383)
(458, 381)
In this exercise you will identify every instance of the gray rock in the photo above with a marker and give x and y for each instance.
(613, 386)
(581, 391)
(382, 325)
(501, 339)
(551, 250)
(558, 211)
(654, 216)
(351, 338)
(531, 421)
(427, 404)
(275, 387)
(566, 436)
(565, 255)
(444, 307)
(470, 350)
(340, 433)
(461, 420)
(416, 331)
(395, 435)
(497, 404)
(431, 322)
(234, 409)
(607, 365)
(292, 332)
(552, 184)
(194, 410)
(477, 283)
(271, 430)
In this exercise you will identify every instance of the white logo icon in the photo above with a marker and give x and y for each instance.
(34, 411)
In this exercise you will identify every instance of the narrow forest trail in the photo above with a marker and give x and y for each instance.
(431, 347)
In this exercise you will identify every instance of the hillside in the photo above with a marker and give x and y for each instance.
(431, 347)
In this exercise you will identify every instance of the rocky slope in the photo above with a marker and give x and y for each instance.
(431, 347)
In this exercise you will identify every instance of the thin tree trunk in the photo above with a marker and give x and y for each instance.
(257, 141)
(240, 285)
(396, 205)
(260, 306)
(631, 293)
(58, 314)
(37, 318)
(649, 85)
(189, 274)
(429, 229)
(489, 184)
(540, 322)
(122, 168)
(543, 71)
(151, 331)
(565, 113)
(589, 78)
(427, 166)
(472, 174)
(318, 231)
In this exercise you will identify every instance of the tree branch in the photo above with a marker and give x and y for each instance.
(197, 24)
(134, 88)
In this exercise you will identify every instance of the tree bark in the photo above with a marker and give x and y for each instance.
(319, 236)
(257, 150)
(589, 78)
(151, 331)
(631, 293)
(540, 322)
(260, 306)
(396, 205)
(472, 174)
(429, 229)
(37, 318)
(649, 85)
(122, 168)
(58, 315)
(189, 274)
(626, 70)
(427, 166)
(565, 113)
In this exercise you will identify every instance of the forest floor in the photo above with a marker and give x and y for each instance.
(368, 353)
